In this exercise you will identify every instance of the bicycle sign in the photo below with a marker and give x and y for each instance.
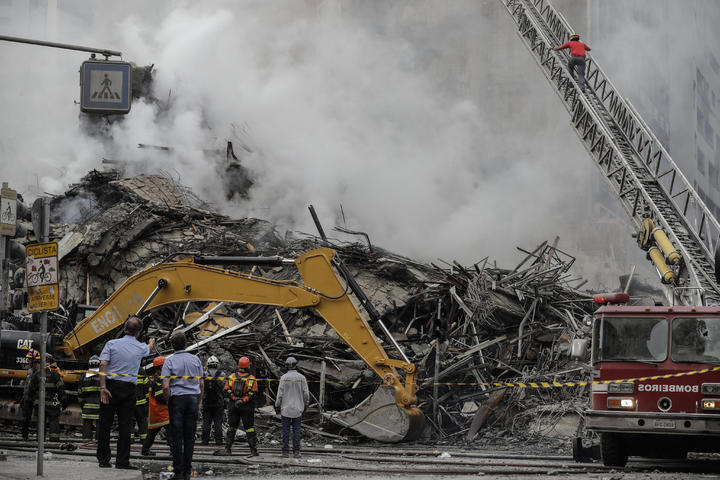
(41, 261)
(8, 211)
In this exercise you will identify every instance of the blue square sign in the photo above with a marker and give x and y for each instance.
(105, 87)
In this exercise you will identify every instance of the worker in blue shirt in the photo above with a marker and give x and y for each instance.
(185, 396)
(119, 363)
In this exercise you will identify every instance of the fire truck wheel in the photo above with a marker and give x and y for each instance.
(612, 450)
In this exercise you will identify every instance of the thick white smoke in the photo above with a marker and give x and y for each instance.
(427, 121)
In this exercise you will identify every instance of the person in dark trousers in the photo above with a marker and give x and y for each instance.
(184, 404)
(28, 403)
(140, 413)
(242, 388)
(89, 396)
(213, 401)
(121, 356)
(158, 415)
(55, 396)
(292, 397)
(577, 58)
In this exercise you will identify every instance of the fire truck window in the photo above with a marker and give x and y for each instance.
(696, 340)
(628, 339)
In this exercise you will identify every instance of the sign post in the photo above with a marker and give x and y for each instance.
(105, 87)
(43, 295)
(8, 217)
(8, 210)
(41, 261)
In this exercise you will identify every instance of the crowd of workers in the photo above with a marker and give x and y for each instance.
(169, 395)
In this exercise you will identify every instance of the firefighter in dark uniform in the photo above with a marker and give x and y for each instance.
(213, 404)
(242, 388)
(55, 396)
(89, 396)
(28, 402)
(141, 405)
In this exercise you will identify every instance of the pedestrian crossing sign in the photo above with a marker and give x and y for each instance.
(105, 87)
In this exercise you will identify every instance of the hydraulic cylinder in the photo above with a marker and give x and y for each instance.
(666, 274)
(671, 255)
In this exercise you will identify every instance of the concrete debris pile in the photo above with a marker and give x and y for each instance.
(465, 328)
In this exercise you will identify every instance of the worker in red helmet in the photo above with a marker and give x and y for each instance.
(242, 388)
(158, 415)
(33, 361)
(577, 58)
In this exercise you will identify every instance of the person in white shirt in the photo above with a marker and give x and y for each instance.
(292, 397)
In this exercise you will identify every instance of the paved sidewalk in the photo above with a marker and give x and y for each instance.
(23, 466)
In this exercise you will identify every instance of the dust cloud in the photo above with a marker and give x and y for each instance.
(427, 121)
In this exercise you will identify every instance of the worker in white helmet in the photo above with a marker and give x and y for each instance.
(213, 404)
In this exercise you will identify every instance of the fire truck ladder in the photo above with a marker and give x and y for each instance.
(635, 165)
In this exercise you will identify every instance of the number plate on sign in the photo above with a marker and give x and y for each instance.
(664, 423)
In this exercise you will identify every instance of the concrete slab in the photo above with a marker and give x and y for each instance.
(23, 466)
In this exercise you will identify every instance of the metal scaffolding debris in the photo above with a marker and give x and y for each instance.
(465, 327)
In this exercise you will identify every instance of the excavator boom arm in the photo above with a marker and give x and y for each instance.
(322, 289)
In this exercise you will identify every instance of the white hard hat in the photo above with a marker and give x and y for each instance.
(213, 360)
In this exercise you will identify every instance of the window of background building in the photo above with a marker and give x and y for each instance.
(713, 175)
(709, 133)
(714, 63)
(700, 118)
(700, 162)
(702, 87)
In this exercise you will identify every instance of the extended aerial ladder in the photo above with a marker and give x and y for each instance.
(657, 197)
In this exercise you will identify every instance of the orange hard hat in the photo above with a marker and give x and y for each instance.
(159, 361)
(244, 362)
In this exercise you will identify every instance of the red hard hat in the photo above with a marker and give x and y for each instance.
(244, 362)
(33, 355)
(158, 362)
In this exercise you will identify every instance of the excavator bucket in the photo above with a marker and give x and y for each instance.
(380, 418)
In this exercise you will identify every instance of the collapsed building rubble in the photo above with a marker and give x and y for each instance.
(465, 328)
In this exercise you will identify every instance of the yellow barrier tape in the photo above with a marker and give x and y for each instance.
(515, 384)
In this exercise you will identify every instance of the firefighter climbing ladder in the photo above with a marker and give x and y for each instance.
(637, 168)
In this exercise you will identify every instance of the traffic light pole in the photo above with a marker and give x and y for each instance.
(3, 268)
(44, 236)
(102, 51)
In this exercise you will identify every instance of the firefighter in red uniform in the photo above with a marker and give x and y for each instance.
(158, 416)
(577, 58)
(242, 388)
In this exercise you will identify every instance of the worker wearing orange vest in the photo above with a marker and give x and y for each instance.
(158, 415)
(242, 388)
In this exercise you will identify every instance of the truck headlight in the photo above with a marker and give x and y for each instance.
(621, 403)
(711, 388)
(625, 387)
(710, 404)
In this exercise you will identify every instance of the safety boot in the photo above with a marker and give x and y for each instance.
(228, 445)
(252, 443)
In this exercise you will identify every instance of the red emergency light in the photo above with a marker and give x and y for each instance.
(607, 298)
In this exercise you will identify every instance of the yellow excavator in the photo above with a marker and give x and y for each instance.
(389, 415)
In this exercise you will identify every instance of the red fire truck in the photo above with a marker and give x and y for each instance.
(648, 416)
